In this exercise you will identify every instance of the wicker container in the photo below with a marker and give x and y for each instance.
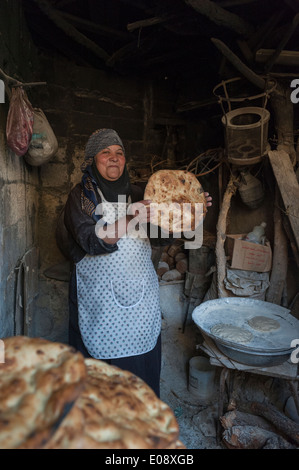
(246, 134)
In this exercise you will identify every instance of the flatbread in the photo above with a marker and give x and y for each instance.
(232, 333)
(116, 410)
(39, 381)
(175, 194)
(52, 398)
(261, 323)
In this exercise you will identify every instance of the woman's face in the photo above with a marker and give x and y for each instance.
(110, 162)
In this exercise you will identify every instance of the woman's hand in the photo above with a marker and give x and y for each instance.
(208, 199)
(141, 211)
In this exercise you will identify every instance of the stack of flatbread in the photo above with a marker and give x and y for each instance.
(53, 398)
(179, 200)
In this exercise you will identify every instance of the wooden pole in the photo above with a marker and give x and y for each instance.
(240, 66)
(271, 61)
(280, 257)
(221, 16)
(221, 235)
(12, 82)
(283, 109)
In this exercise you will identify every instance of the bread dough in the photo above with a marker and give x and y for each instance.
(176, 193)
(231, 333)
(261, 323)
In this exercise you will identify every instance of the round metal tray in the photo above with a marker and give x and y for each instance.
(257, 359)
(265, 348)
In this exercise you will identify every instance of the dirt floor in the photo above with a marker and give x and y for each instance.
(198, 420)
(198, 424)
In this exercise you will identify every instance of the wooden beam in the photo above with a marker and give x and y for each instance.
(234, 3)
(246, 51)
(127, 51)
(290, 31)
(94, 27)
(284, 58)
(130, 50)
(62, 46)
(190, 105)
(283, 75)
(221, 17)
(70, 30)
(283, 109)
(144, 23)
(265, 31)
(11, 82)
(240, 66)
(231, 189)
(290, 235)
(288, 186)
(280, 256)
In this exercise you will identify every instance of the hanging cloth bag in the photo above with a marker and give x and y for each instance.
(43, 145)
(19, 124)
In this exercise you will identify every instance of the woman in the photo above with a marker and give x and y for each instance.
(114, 293)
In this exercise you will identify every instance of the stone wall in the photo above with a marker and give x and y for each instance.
(18, 182)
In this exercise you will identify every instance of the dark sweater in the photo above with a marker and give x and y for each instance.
(81, 236)
(78, 231)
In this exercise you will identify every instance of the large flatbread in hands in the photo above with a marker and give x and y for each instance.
(175, 194)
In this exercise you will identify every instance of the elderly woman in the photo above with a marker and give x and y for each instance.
(114, 293)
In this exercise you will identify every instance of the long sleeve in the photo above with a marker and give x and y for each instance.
(81, 230)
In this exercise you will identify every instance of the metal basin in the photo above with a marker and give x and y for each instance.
(255, 359)
(265, 349)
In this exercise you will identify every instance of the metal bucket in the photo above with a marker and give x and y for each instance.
(201, 379)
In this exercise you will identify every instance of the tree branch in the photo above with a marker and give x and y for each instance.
(70, 30)
(243, 69)
(221, 17)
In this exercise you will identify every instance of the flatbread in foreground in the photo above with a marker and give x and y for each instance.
(116, 410)
(39, 381)
(176, 194)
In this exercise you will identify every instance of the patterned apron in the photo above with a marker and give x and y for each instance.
(118, 296)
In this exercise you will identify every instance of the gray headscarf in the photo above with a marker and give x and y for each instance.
(99, 140)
